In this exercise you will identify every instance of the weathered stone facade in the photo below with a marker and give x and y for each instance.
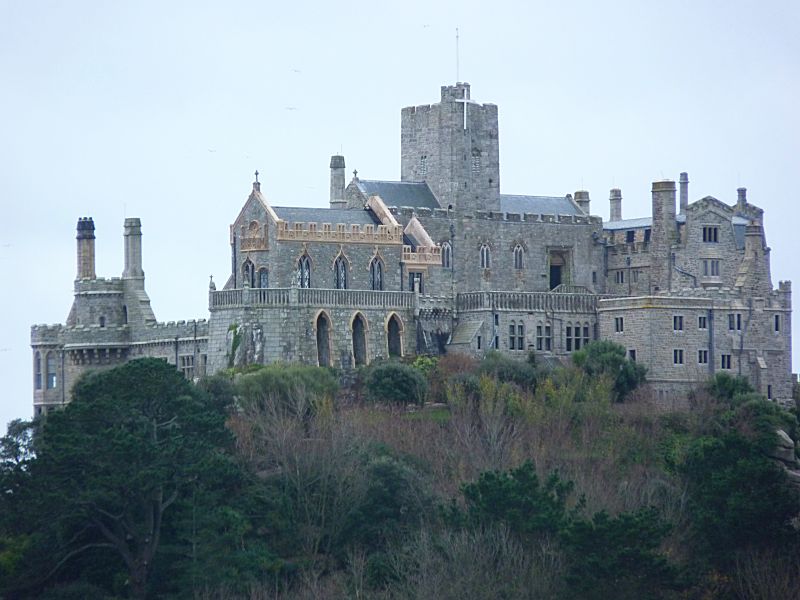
(441, 261)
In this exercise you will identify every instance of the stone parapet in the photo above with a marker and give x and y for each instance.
(527, 301)
(340, 232)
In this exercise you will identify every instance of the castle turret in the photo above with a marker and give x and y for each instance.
(664, 233)
(684, 181)
(337, 197)
(615, 204)
(85, 239)
(582, 200)
(454, 147)
(133, 249)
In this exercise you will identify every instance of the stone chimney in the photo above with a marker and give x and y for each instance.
(85, 239)
(337, 198)
(133, 249)
(663, 235)
(684, 181)
(582, 200)
(615, 201)
(741, 198)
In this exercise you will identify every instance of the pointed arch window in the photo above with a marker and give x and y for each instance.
(340, 273)
(447, 255)
(304, 271)
(519, 257)
(263, 277)
(486, 257)
(376, 274)
(249, 273)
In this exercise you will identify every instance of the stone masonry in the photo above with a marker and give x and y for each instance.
(442, 261)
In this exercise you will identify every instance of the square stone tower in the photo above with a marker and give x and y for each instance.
(453, 146)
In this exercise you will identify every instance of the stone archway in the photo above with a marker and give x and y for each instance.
(323, 327)
(359, 331)
(394, 329)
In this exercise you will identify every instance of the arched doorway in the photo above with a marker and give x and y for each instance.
(359, 341)
(323, 327)
(393, 336)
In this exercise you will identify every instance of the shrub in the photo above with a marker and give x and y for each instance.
(395, 383)
(608, 358)
(508, 370)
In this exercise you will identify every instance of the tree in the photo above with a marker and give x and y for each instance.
(111, 465)
(394, 382)
(607, 358)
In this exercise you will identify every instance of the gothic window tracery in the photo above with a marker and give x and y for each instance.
(304, 271)
(340, 273)
(519, 254)
(486, 257)
(447, 255)
(376, 274)
(249, 273)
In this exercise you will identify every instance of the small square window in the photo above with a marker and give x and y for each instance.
(677, 323)
(630, 236)
(632, 355)
(677, 356)
(702, 357)
(725, 361)
(619, 324)
(702, 322)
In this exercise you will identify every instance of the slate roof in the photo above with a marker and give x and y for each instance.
(416, 194)
(303, 214)
(545, 205)
(465, 332)
(637, 223)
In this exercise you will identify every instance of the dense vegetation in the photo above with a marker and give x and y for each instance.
(447, 478)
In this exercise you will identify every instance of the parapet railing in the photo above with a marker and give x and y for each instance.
(527, 301)
(269, 297)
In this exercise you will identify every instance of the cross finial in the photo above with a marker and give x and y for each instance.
(355, 173)
(256, 175)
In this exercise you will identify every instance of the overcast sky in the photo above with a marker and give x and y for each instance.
(163, 110)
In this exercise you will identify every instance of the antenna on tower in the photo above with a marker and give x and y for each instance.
(457, 76)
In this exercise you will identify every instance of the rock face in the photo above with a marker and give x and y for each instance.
(785, 455)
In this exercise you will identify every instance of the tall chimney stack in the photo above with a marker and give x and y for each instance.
(684, 181)
(133, 249)
(337, 199)
(582, 200)
(663, 235)
(85, 239)
(741, 197)
(615, 200)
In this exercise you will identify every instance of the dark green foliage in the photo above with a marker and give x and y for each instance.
(293, 389)
(606, 358)
(394, 383)
(738, 498)
(727, 387)
(508, 370)
(519, 500)
(618, 557)
(392, 505)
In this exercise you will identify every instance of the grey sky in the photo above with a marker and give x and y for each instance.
(163, 110)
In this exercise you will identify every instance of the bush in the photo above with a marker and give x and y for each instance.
(294, 389)
(508, 370)
(395, 383)
(608, 358)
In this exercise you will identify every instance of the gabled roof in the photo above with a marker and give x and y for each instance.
(303, 214)
(415, 194)
(545, 205)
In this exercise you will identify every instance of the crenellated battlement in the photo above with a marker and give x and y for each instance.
(340, 232)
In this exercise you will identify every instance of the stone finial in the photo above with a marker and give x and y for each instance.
(211, 285)
(256, 183)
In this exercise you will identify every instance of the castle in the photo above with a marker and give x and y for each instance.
(442, 261)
